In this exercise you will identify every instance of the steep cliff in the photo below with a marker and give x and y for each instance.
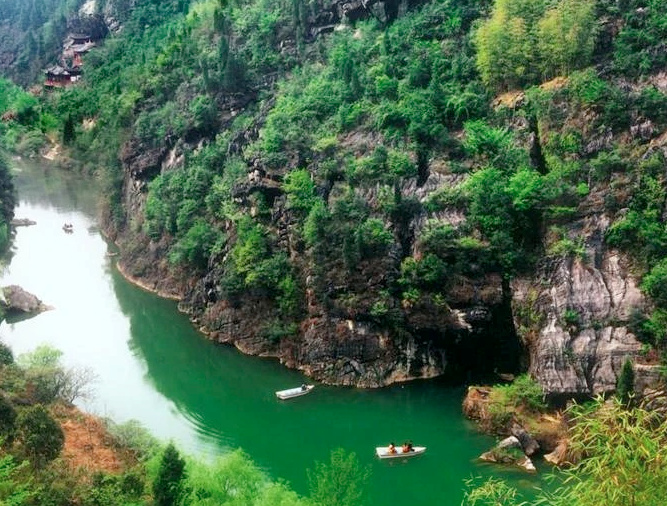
(334, 184)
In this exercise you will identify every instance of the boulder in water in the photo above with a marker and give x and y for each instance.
(15, 300)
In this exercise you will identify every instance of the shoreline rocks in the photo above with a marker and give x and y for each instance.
(14, 300)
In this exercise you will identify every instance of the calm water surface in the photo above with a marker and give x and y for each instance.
(153, 366)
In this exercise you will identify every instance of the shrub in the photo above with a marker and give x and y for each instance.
(168, 485)
(40, 436)
(625, 384)
(372, 238)
(571, 317)
(6, 355)
(7, 421)
(133, 436)
(300, 191)
(655, 283)
(339, 482)
(523, 392)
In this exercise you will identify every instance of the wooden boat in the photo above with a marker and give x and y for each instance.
(383, 452)
(294, 392)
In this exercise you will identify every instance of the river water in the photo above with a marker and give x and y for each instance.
(152, 366)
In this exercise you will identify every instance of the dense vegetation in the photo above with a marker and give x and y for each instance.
(32, 34)
(312, 158)
(357, 118)
(621, 453)
(294, 144)
(36, 392)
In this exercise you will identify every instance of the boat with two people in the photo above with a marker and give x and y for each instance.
(392, 452)
(294, 392)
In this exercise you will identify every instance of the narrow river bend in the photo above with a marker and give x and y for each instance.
(151, 365)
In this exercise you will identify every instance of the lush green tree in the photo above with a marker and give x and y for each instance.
(339, 482)
(566, 37)
(14, 489)
(40, 436)
(300, 191)
(504, 49)
(625, 384)
(7, 420)
(6, 354)
(168, 485)
(527, 40)
(655, 283)
(68, 130)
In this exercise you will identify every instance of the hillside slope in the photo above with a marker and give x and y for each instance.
(348, 186)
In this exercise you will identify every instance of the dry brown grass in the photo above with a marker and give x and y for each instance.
(88, 447)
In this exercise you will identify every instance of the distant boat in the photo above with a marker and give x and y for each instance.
(384, 453)
(294, 392)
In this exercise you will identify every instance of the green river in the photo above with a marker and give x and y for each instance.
(151, 365)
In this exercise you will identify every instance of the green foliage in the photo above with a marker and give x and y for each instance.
(168, 485)
(640, 230)
(6, 355)
(492, 492)
(7, 420)
(636, 48)
(7, 202)
(195, 246)
(372, 238)
(614, 472)
(571, 317)
(49, 380)
(277, 330)
(494, 146)
(339, 482)
(300, 191)
(14, 490)
(429, 272)
(132, 436)
(625, 384)
(655, 283)
(622, 453)
(525, 41)
(40, 436)
(314, 228)
(524, 392)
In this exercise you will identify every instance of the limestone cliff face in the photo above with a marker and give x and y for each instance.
(581, 340)
(574, 312)
(338, 342)
(567, 319)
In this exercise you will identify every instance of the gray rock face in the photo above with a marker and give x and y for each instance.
(528, 442)
(574, 313)
(17, 301)
(509, 451)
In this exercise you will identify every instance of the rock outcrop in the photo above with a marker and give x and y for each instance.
(575, 314)
(16, 301)
(509, 451)
(354, 325)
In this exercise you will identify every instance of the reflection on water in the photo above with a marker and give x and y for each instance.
(154, 367)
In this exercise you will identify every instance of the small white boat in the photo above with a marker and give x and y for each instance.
(294, 392)
(384, 453)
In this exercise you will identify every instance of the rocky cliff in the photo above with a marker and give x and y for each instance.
(410, 286)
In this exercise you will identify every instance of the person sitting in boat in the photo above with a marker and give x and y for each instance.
(405, 448)
(409, 446)
(303, 387)
(392, 448)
